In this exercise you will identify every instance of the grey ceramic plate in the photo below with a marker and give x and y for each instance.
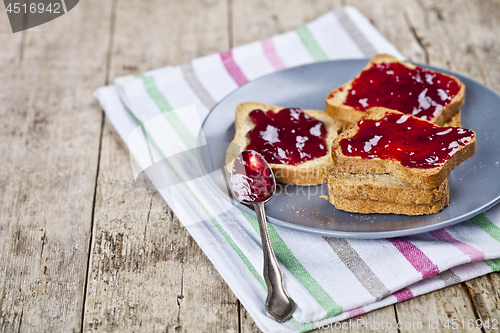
(473, 184)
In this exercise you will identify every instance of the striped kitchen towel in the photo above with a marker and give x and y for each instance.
(159, 115)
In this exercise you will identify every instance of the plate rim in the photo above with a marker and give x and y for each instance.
(347, 234)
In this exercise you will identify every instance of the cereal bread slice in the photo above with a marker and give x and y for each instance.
(336, 99)
(427, 177)
(383, 187)
(311, 172)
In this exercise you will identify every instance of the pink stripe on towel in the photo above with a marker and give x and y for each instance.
(445, 236)
(415, 256)
(356, 312)
(271, 55)
(232, 68)
(403, 294)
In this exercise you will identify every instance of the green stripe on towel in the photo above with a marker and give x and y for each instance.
(484, 223)
(155, 94)
(311, 44)
(493, 263)
(288, 259)
(164, 106)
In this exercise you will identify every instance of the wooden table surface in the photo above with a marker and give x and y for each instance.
(82, 248)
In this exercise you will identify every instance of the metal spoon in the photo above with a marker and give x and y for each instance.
(253, 187)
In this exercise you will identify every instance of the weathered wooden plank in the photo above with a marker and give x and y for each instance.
(485, 295)
(382, 320)
(482, 23)
(12, 54)
(147, 273)
(391, 18)
(158, 33)
(10, 126)
(247, 325)
(443, 310)
(49, 143)
(254, 20)
(459, 35)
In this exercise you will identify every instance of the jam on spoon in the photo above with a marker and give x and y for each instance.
(420, 92)
(415, 143)
(252, 178)
(253, 184)
(289, 136)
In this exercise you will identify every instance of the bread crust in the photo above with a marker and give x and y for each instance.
(312, 172)
(416, 177)
(454, 121)
(367, 206)
(382, 187)
(336, 108)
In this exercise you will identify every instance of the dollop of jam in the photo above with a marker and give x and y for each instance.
(419, 92)
(413, 142)
(289, 136)
(252, 179)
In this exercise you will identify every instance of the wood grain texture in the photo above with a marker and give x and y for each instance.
(439, 311)
(156, 33)
(391, 18)
(381, 320)
(254, 20)
(438, 26)
(366, 323)
(146, 272)
(49, 145)
(485, 295)
(11, 56)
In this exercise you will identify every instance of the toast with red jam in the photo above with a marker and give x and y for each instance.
(390, 83)
(296, 143)
(414, 150)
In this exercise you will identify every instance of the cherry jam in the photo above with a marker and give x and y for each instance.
(413, 142)
(419, 92)
(289, 136)
(252, 179)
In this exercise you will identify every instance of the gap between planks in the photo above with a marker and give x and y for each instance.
(103, 116)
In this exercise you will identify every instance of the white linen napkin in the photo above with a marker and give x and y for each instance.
(159, 114)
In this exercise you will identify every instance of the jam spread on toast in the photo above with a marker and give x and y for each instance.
(419, 92)
(289, 136)
(251, 178)
(413, 142)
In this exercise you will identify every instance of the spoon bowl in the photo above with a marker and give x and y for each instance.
(252, 179)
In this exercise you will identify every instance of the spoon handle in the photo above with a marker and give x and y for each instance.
(279, 305)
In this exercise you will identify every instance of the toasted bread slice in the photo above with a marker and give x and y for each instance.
(336, 99)
(454, 121)
(312, 172)
(426, 178)
(367, 206)
(383, 187)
